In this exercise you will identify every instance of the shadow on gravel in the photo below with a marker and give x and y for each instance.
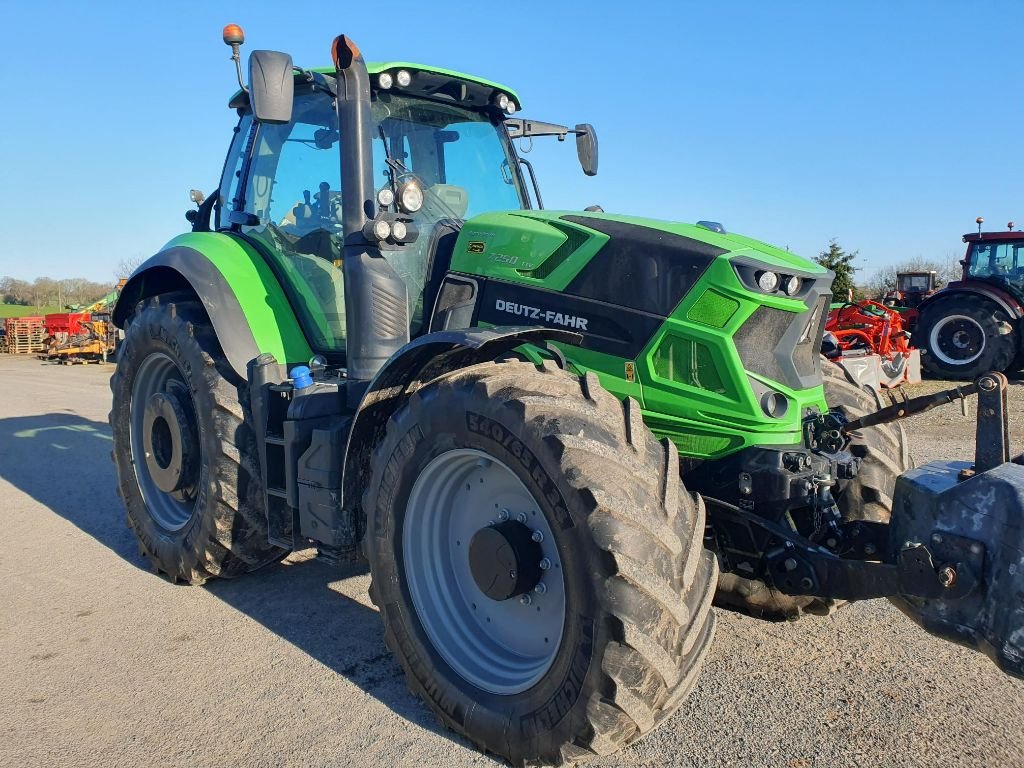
(296, 602)
(63, 461)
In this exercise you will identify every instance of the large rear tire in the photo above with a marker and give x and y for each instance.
(627, 584)
(966, 335)
(884, 456)
(184, 451)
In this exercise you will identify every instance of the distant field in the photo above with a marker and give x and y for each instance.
(16, 310)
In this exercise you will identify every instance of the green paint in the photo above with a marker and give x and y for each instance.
(270, 317)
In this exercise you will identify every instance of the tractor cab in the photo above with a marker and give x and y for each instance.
(997, 258)
(436, 151)
(913, 287)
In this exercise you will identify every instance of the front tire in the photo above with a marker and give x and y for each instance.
(964, 336)
(627, 581)
(183, 449)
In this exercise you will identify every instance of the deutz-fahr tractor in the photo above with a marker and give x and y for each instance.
(548, 432)
(973, 325)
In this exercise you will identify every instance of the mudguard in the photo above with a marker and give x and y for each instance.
(417, 363)
(246, 305)
(1004, 299)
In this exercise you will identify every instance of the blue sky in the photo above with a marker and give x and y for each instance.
(889, 126)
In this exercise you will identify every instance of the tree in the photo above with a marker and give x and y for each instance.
(840, 262)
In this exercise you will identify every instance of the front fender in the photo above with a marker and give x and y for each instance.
(246, 305)
(422, 360)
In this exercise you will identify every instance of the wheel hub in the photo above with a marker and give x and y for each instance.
(505, 560)
(169, 440)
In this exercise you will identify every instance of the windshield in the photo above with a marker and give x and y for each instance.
(999, 259)
(463, 161)
(913, 283)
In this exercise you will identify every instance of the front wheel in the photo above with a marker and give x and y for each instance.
(538, 566)
(183, 448)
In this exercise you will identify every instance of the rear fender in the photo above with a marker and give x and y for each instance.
(423, 360)
(246, 305)
(1002, 298)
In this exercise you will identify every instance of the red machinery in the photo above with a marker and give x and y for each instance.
(69, 323)
(873, 340)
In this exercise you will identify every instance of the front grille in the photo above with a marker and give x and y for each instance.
(783, 346)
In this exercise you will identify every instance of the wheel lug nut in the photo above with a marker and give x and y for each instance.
(540, 589)
(537, 536)
(521, 517)
(503, 515)
(525, 599)
(545, 564)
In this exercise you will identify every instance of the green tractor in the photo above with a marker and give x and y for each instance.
(557, 437)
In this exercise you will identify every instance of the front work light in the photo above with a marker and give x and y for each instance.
(767, 281)
(404, 78)
(385, 81)
(792, 286)
(410, 196)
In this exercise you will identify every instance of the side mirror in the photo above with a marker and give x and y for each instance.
(586, 148)
(271, 86)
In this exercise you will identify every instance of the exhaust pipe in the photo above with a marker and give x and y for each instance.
(376, 305)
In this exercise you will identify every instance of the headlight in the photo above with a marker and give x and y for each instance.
(386, 197)
(381, 229)
(792, 285)
(774, 405)
(399, 230)
(767, 281)
(510, 108)
(385, 80)
(404, 78)
(410, 196)
(501, 101)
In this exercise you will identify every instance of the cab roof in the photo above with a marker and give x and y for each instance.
(972, 237)
(438, 78)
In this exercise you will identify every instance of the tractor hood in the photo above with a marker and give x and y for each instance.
(671, 313)
(606, 256)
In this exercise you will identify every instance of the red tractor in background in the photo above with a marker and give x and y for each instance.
(973, 324)
(912, 288)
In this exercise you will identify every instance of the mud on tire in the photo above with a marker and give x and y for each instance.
(637, 581)
(223, 528)
(884, 456)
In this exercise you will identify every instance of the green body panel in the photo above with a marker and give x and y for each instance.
(266, 308)
(538, 249)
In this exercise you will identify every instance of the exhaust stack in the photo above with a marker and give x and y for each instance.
(376, 305)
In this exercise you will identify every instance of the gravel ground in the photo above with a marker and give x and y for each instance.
(103, 663)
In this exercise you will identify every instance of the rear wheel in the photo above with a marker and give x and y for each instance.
(883, 454)
(184, 452)
(538, 567)
(965, 336)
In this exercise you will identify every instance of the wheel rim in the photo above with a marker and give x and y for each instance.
(957, 340)
(501, 646)
(164, 441)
